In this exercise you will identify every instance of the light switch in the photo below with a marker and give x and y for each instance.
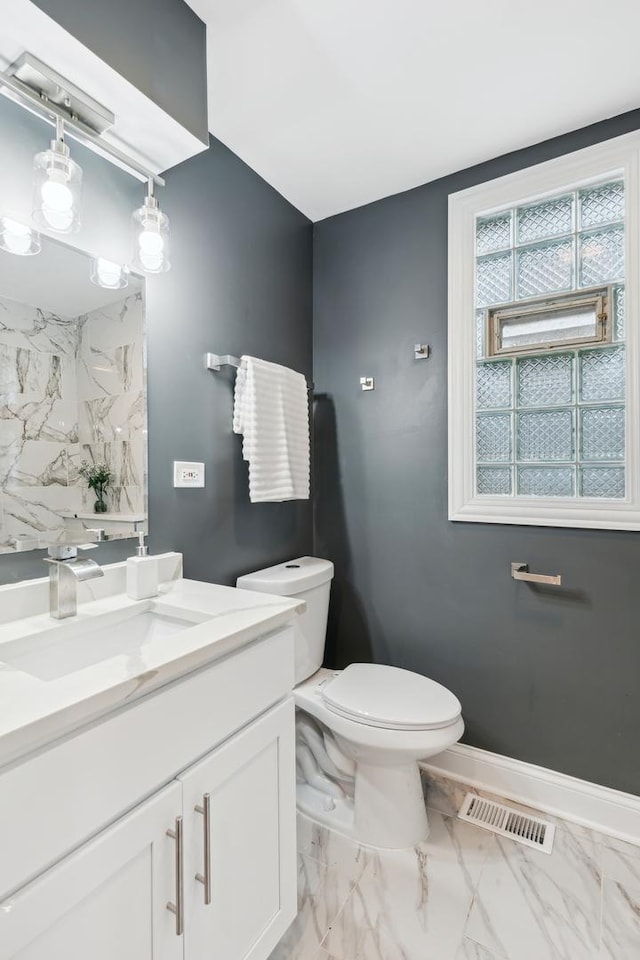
(187, 474)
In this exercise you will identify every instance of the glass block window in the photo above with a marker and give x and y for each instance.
(560, 244)
(550, 422)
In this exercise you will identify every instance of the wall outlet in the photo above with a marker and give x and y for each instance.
(186, 474)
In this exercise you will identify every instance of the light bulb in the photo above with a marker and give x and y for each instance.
(151, 262)
(109, 272)
(56, 195)
(150, 236)
(57, 188)
(57, 201)
(150, 242)
(55, 220)
(106, 273)
(18, 239)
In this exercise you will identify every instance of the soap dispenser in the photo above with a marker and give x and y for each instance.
(142, 573)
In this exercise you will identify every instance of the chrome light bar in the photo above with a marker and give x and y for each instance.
(42, 91)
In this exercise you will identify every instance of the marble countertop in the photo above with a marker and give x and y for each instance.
(36, 710)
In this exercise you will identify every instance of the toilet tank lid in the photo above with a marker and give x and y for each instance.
(290, 578)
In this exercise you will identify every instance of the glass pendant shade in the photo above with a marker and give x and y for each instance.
(57, 189)
(106, 273)
(150, 238)
(18, 239)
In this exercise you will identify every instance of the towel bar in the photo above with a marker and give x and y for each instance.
(215, 361)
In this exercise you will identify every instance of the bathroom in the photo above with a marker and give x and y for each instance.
(317, 207)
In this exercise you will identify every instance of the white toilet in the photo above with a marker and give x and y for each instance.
(360, 731)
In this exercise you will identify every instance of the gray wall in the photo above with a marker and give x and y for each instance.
(158, 45)
(240, 283)
(550, 677)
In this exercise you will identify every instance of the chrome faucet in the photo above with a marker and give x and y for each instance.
(65, 573)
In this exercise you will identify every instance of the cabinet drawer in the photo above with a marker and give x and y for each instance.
(53, 801)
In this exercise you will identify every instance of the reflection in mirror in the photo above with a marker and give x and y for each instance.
(72, 398)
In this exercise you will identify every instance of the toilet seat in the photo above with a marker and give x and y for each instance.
(381, 696)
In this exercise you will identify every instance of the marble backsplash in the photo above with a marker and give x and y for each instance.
(71, 389)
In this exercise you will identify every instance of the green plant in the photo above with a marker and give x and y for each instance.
(98, 477)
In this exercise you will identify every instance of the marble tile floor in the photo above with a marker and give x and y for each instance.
(465, 894)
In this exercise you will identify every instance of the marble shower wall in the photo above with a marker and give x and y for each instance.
(38, 422)
(112, 403)
(71, 389)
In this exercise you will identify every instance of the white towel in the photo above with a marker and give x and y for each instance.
(271, 411)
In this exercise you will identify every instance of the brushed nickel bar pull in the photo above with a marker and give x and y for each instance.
(205, 810)
(520, 571)
(177, 908)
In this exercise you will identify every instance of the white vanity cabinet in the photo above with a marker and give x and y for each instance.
(106, 901)
(202, 867)
(247, 870)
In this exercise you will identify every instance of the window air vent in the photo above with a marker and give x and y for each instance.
(531, 831)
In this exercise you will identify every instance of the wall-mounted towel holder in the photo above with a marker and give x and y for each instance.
(215, 361)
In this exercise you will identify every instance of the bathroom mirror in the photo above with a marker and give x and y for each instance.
(72, 401)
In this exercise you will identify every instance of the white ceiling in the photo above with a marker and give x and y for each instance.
(340, 102)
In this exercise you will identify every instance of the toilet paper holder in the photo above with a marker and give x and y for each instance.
(520, 571)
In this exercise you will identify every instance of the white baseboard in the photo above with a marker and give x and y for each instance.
(609, 811)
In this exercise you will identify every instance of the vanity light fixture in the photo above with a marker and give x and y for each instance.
(150, 235)
(38, 88)
(57, 186)
(106, 273)
(19, 239)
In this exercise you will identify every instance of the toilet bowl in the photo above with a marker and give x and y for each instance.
(361, 731)
(383, 805)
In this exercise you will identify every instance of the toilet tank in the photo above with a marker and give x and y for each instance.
(309, 579)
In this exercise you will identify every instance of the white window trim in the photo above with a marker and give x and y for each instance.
(620, 156)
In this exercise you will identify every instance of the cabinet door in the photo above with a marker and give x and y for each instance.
(106, 901)
(250, 782)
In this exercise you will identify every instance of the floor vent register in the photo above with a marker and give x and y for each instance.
(507, 822)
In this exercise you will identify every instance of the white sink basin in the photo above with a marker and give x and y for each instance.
(74, 645)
